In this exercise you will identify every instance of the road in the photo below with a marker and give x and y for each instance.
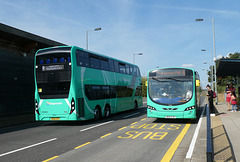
(127, 136)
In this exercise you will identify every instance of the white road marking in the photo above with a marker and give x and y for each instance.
(96, 126)
(145, 102)
(131, 115)
(27, 147)
(194, 139)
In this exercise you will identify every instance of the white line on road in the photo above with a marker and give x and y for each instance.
(27, 147)
(131, 115)
(96, 126)
(145, 102)
(194, 139)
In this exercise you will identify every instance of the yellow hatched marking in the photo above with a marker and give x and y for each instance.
(50, 159)
(106, 135)
(122, 128)
(169, 154)
(82, 145)
(134, 123)
(143, 119)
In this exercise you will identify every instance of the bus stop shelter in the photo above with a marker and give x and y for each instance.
(228, 67)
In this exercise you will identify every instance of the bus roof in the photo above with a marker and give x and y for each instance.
(74, 47)
(172, 68)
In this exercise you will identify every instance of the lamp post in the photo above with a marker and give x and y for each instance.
(96, 29)
(214, 51)
(134, 57)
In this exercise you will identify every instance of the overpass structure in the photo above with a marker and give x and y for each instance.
(17, 49)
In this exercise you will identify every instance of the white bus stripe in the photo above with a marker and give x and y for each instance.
(27, 147)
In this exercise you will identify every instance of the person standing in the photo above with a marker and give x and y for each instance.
(231, 88)
(210, 99)
(234, 102)
(228, 96)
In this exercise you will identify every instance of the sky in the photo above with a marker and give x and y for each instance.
(164, 31)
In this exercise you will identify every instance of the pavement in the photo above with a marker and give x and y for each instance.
(225, 126)
(226, 134)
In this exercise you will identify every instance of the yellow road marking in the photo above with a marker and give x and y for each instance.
(169, 154)
(143, 119)
(106, 135)
(50, 159)
(82, 145)
(134, 123)
(122, 128)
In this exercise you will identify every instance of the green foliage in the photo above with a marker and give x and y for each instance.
(144, 87)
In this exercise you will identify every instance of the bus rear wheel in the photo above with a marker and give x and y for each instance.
(107, 111)
(97, 113)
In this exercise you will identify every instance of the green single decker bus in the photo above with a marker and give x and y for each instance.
(173, 93)
(76, 84)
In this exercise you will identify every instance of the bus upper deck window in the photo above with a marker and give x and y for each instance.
(41, 62)
(62, 59)
(48, 61)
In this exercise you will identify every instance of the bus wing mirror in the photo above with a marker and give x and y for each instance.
(197, 83)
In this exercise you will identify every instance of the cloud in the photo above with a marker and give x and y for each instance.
(187, 65)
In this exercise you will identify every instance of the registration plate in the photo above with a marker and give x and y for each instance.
(55, 118)
(170, 117)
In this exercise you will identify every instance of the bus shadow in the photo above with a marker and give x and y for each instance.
(116, 117)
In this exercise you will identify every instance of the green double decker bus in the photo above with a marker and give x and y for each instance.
(75, 84)
(173, 93)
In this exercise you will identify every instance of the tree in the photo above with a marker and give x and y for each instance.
(144, 87)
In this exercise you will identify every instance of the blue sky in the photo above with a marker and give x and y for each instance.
(165, 31)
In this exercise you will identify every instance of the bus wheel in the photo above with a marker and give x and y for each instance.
(107, 111)
(97, 113)
(135, 105)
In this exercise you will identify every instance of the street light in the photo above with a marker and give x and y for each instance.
(214, 51)
(96, 29)
(211, 74)
(134, 57)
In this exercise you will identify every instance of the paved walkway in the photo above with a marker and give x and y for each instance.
(226, 134)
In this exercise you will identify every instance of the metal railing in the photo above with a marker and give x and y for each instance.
(209, 136)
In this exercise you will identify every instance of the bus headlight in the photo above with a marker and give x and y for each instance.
(190, 108)
(36, 107)
(72, 106)
(150, 107)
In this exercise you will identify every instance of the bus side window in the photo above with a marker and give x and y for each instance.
(122, 68)
(104, 64)
(82, 58)
(131, 70)
(111, 65)
(94, 62)
(116, 66)
(138, 72)
(127, 69)
(135, 71)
